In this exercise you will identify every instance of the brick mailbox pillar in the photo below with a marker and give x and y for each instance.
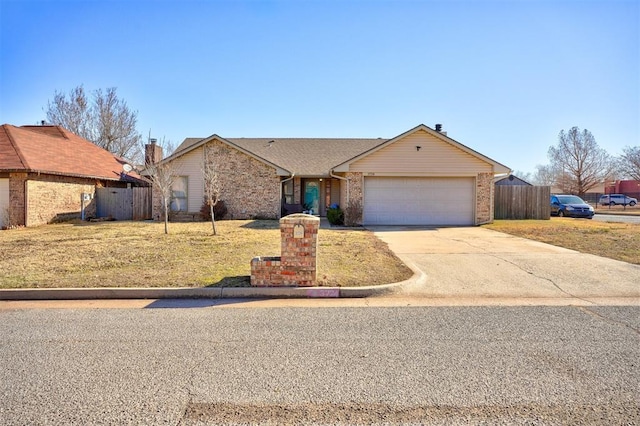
(297, 264)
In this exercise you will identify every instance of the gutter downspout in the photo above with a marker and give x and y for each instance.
(343, 179)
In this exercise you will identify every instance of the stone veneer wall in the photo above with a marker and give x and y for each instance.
(48, 197)
(484, 198)
(250, 188)
(297, 265)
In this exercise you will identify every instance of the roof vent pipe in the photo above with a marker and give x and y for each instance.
(438, 127)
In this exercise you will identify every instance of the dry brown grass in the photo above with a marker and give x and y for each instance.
(139, 254)
(620, 241)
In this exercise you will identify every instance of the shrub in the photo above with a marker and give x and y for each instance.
(353, 213)
(219, 210)
(335, 215)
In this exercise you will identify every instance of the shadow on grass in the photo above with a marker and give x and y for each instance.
(239, 281)
(262, 224)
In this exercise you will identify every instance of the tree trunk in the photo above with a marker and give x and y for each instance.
(166, 218)
(213, 219)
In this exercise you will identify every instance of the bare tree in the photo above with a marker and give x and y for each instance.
(212, 184)
(107, 121)
(545, 175)
(162, 174)
(580, 162)
(115, 125)
(74, 113)
(629, 162)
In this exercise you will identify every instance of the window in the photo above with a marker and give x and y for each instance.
(288, 192)
(179, 194)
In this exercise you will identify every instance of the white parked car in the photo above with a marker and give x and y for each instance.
(613, 199)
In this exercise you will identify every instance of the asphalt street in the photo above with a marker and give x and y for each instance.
(208, 364)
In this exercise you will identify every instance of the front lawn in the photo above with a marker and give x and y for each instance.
(620, 241)
(139, 254)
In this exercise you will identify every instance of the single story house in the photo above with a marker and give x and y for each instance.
(420, 177)
(48, 173)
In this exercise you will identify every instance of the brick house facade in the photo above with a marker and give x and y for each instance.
(404, 180)
(45, 170)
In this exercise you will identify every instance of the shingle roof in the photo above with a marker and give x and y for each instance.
(302, 156)
(313, 157)
(55, 150)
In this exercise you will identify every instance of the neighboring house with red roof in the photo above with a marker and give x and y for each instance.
(45, 170)
(420, 177)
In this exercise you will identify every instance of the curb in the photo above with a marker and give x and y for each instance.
(201, 292)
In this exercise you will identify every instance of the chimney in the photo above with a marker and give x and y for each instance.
(152, 152)
(438, 127)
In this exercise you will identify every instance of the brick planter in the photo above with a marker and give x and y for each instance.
(297, 264)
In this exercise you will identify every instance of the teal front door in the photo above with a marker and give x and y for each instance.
(312, 196)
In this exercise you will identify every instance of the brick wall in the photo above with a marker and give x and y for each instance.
(297, 190)
(17, 198)
(355, 180)
(484, 198)
(37, 199)
(50, 201)
(250, 188)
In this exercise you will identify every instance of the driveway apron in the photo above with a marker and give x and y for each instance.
(475, 262)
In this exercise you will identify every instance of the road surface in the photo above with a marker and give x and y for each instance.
(202, 364)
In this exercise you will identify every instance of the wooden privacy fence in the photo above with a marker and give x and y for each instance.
(124, 203)
(522, 202)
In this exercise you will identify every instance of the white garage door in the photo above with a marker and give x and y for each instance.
(419, 201)
(4, 201)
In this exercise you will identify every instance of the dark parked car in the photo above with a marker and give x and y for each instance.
(570, 206)
(613, 199)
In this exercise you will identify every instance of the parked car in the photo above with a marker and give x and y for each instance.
(613, 199)
(570, 206)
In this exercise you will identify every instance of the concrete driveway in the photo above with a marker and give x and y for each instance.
(480, 263)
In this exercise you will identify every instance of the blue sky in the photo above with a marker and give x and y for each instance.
(503, 77)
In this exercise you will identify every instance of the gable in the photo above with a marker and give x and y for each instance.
(192, 144)
(434, 156)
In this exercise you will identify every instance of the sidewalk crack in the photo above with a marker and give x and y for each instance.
(553, 283)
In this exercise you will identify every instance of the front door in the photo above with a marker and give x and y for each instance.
(312, 196)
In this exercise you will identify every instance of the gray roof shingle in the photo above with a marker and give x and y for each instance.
(302, 156)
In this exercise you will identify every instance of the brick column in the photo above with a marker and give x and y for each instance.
(299, 236)
(297, 264)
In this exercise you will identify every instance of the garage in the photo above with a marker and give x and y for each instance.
(4, 202)
(419, 201)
